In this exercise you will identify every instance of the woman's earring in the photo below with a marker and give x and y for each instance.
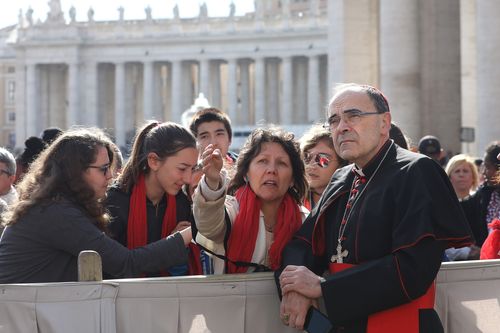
(245, 178)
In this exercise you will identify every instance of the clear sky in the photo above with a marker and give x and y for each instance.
(107, 9)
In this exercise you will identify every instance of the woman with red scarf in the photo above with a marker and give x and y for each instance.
(250, 227)
(146, 203)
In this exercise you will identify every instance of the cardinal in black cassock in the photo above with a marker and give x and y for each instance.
(381, 231)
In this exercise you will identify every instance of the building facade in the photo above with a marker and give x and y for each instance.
(278, 64)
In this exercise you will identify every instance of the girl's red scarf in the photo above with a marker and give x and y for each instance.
(137, 228)
(241, 242)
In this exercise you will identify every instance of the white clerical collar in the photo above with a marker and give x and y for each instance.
(358, 171)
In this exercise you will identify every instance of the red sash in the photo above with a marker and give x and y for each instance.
(395, 319)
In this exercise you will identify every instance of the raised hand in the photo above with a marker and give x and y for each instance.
(212, 165)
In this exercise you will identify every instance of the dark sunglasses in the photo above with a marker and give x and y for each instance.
(103, 168)
(321, 159)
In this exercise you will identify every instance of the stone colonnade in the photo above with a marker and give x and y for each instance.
(281, 90)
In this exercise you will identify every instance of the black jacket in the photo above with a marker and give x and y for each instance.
(475, 208)
(118, 204)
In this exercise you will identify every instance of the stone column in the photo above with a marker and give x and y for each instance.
(148, 93)
(260, 90)
(91, 94)
(120, 104)
(348, 61)
(440, 72)
(400, 63)
(299, 91)
(72, 117)
(313, 108)
(232, 89)
(205, 79)
(244, 112)
(468, 64)
(158, 93)
(215, 83)
(32, 99)
(20, 104)
(273, 95)
(177, 92)
(286, 115)
(488, 73)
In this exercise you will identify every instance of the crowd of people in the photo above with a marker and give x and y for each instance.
(346, 206)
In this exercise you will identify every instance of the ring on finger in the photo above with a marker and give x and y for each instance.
(286, 318)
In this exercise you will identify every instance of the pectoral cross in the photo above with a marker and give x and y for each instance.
(340, 255)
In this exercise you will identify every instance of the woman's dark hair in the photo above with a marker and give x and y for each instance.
(33, 147)
(492, 152)
(163, 139)
(252, 148)
(58, 174)
(50, 134)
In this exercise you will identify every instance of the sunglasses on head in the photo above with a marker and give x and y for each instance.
(321, 159)
(103, 168)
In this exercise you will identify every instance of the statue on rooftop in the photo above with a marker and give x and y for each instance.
(72, 14)
(121, 13)
(29, 16)
(20, 19)
(203, 10)
(90, 14)
(232, 9)
(176, 11)
(55, 14)
(55, 7)
(147, 10)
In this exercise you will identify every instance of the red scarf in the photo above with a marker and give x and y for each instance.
(491, 246)
(137, 228)
(241, 242)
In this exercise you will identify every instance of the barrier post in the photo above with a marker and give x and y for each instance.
(89, 266)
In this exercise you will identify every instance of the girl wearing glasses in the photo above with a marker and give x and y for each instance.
(146, 202)
(59, 214)
(321, 162)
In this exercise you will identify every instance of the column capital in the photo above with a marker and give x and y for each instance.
(73, 62)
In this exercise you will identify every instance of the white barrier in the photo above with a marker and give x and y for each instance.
(468, 297)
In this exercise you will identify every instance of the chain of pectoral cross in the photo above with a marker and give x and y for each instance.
(354, 196)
